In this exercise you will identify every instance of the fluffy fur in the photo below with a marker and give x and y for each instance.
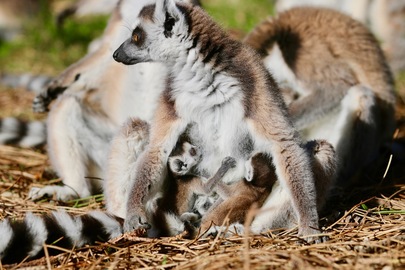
(340, 75)
(95, 96)
(22, 133)
(385, 19)
(26, 238)
(220, 92)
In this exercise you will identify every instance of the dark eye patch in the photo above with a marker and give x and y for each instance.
(138, 36)
(168, 25)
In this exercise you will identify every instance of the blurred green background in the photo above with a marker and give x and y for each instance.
(45, 48)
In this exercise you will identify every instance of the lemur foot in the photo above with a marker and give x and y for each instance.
(190, 217)
(312, 236)
(60, 193)
(40, 104)
(226, 231)
(136, 222)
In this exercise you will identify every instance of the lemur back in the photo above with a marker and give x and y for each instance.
(384, 18)
(344, 85)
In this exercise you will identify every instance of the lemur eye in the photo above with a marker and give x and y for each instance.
(135, 38)
(138, 36)
(193, 152)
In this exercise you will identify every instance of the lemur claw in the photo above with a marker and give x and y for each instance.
(136, 222)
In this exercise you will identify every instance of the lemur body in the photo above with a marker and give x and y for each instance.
(260, 186)
(96, 95)
(385, 19)
(344, 86)
(171, 211)
(220, 87)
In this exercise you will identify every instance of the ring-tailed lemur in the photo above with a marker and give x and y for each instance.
(345, 88)
(221, 87)
(14, 131)
(26, 238)
(261, 187)
(385, 18)
(96, 95)
(170, 210)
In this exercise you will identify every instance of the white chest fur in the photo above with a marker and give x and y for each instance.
(212, 103)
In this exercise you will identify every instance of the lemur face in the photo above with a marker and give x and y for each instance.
(158, 31)
(182, 164)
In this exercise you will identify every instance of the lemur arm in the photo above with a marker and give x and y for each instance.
(152, 165)
(226, 165)
(68, 77)
(273, 132)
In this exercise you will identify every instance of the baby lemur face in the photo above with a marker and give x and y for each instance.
(182, 164)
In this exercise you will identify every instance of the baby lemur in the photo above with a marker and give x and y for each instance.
(169, 213)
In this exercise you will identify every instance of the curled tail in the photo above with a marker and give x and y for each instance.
(26, 238)
(30, 82)
(14, 131)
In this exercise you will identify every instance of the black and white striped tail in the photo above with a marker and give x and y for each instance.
(26, 238)
(14, 131)
(33, 83)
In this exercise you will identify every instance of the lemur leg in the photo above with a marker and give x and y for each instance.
(356, 130)
(235, 208)
(74, 143)
(126, 146)
(277, 211)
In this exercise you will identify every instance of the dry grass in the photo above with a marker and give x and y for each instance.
(366, 226)
(366, 229)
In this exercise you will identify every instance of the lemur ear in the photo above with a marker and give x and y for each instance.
(169, 13)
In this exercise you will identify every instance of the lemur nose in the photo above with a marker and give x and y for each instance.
(115, 55)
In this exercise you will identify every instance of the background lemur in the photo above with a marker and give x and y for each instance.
(385, 19)
(96, 95)
(344, 86)
(220, 87)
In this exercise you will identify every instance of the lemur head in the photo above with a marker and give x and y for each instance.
(183, 163)
(159, 30)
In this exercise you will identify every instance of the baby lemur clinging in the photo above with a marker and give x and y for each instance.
(170, 211)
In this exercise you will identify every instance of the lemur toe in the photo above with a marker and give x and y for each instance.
(136, 222)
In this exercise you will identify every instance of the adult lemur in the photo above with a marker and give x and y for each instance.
(344, 86)
(95, 96)
(219, 89)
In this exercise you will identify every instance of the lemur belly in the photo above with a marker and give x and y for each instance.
(216, 133)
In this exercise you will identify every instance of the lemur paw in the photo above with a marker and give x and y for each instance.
(233, 229)
(40, 104)
(190, 217)
(312, 236)
(229, 162)
(60, 193)
(135, 223)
